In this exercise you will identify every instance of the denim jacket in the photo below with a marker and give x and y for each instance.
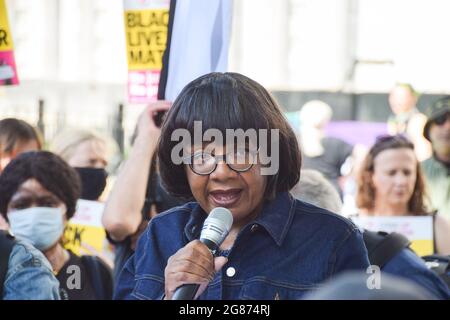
(29, 275)
(289, 249)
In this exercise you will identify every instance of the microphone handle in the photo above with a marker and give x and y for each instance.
(188, 291)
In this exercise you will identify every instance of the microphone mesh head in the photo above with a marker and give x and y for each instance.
(217, 225)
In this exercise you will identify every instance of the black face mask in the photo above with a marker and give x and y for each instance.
(93, 182)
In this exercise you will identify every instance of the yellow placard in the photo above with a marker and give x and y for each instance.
(146, 38)
(422, 247)
(83, 239)
(84, 233)
(6, 42)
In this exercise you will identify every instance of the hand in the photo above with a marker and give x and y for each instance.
(192, 264)
(146, 123)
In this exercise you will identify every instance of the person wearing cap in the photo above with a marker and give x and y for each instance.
(437, 167)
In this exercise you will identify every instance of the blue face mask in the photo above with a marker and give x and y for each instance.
(41, 226)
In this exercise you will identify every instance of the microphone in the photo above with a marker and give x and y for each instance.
(215, 230)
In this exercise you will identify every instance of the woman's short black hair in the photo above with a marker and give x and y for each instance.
(228, 101)
(52, 172)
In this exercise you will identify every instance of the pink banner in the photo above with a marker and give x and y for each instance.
(8, 71)
(143, 86)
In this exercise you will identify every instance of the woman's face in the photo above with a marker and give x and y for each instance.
(21, 147)
(240, 192)
(89, 154)
(37, 215)
(394, 177)
(32, 194)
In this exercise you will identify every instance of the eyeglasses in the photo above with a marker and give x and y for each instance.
(204, 163)
(442, 119)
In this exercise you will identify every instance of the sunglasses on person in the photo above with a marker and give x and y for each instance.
(442, 119)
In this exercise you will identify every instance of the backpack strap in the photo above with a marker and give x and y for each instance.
(382, 246)
(100, 276)
(7, 243)
(439, 264)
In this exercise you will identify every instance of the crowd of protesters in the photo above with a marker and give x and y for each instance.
(287, 225)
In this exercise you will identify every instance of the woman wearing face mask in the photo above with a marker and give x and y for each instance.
(38, 194)
(87, 152)
(16, 136)
(390, 183)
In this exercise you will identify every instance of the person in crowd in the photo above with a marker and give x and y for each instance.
(324, 154)
(128, 210)
(407, 119)
(437, 168)
(25, 274)
(16, 136)
(38, 194)
(88, 153)
(277, 247)
(315, 189)
(391, 184)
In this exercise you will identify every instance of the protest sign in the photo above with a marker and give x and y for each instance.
(146, 24)
(8, 71)
(418, 229)
(84, 234)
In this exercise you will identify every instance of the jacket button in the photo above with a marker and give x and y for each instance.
(231, 272)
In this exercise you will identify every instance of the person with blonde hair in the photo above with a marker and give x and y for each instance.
(88, 153)
(324, 154)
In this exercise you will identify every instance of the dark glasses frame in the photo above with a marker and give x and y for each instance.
(217, 158)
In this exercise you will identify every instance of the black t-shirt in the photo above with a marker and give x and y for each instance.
(85, 278)
(74, 282)
(336, 151)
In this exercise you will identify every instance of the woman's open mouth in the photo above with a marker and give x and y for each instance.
(225, 198)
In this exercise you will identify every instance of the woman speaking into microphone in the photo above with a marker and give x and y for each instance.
(225, 143)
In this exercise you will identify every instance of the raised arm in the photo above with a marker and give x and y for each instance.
(122, 214)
